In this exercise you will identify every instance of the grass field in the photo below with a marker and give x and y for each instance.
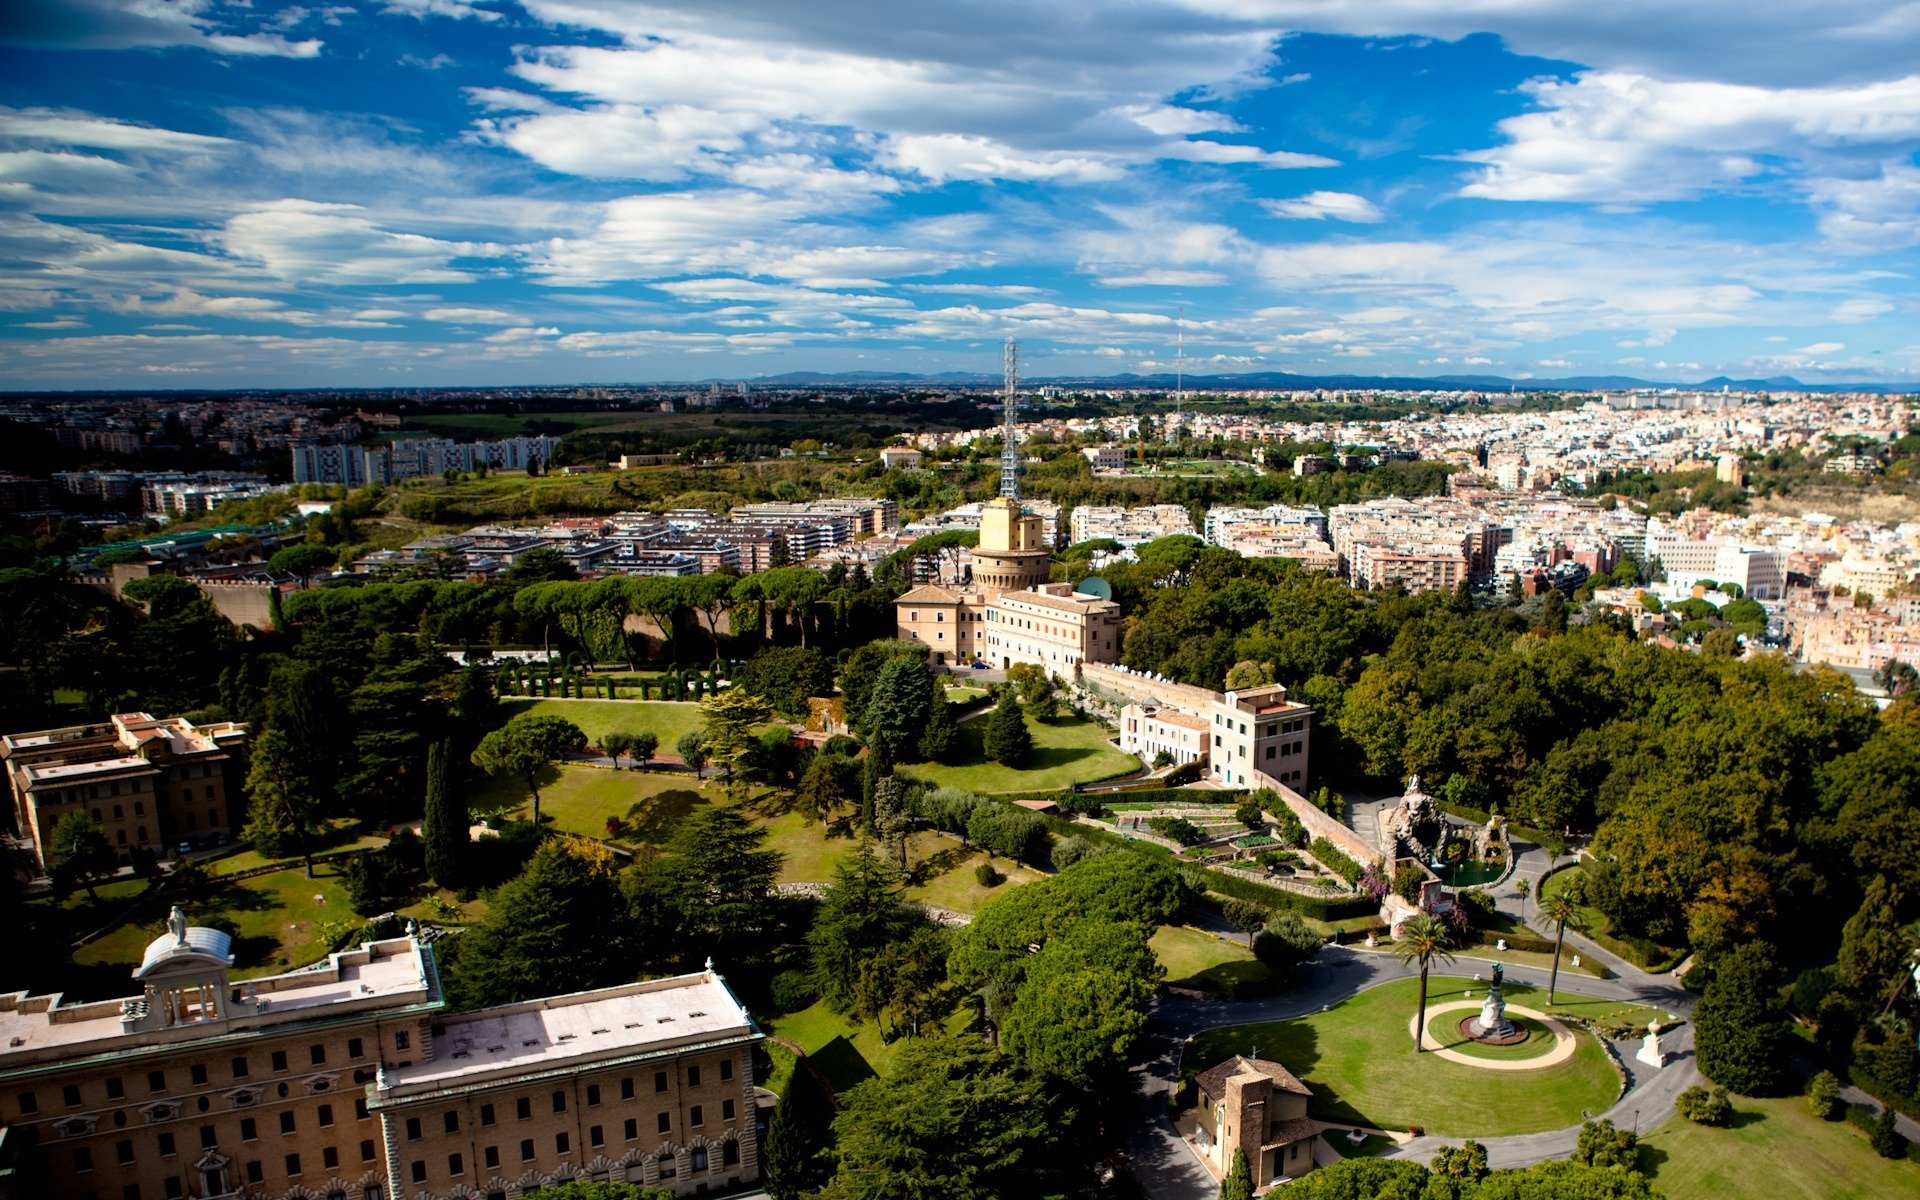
(1359, 1059)
(844, 1055)
(1445, 1030)
(278, 917)
(953, 884)
(1194, 958)
(668, 720)
(1778, 1146)
(1072, 750)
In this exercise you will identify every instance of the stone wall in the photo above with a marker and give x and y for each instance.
(1319, 824)
(1112, 682)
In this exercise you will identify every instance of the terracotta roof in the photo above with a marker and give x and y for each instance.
(1214, 1081)
(929, 593)
(1290, 1130)
(1075, 603)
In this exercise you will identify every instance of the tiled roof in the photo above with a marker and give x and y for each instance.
(1214, 1081)
(929, 593)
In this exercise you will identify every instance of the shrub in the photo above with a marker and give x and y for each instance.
(1887, 1142)
(1249, 814)
(1603, 1145)
(1823, 1097)
(1332, 859)
(793, 991)
(1179, 829)
(1070, 850)
(985, 875)
(1703, 1106)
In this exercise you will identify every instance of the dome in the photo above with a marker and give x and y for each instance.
(198, 945)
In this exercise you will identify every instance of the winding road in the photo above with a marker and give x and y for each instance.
(1170, 1170)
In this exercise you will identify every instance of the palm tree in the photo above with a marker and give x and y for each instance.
(1562, 908)
(1424, 938)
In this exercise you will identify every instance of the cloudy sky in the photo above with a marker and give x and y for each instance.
(417, 192)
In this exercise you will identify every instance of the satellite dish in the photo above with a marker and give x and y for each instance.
(1093, 585)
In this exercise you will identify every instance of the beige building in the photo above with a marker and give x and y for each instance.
(1418, 567)
(1255, 1106)
(150, 783)
(1149, 730)
(1105, 458)
(348, 1081)
(1011, 614)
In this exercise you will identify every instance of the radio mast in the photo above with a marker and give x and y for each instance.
(1009, 437)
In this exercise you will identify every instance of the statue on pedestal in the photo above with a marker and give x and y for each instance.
(1493, 1022)
(177, 925)
(1649, 1052)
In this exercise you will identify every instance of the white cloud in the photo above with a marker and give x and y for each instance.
(1164, 277)
(51, 169)
(456, 9)
(131, 24)
(1822, 348)
(1314, 206)
(469, 316)
(301, 241)
(1849, 312)
(1613, 137)
(1867, 215)
(71, 127)
(1558, 363)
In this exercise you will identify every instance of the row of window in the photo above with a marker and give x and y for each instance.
(116, 1089)
(123, 1149)
(523, 1106)
(417, 1169)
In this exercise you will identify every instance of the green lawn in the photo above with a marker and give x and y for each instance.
(951, 869)
(1194, 958)
(668, 720)
(1445, 1030)
(278, 917)
(343, 835)
(1778, 1146)
(1071, 750)
(844, 1054)
(1359, 1059)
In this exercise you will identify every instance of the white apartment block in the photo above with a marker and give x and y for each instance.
(1129, 526)
(1149, 731)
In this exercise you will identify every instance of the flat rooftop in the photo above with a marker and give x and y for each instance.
(563, 1032)
(376, 975)
(59, 772)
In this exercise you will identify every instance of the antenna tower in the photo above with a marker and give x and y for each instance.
(1179, 368)
(1009, 437)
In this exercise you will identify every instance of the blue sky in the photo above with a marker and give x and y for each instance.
(422, 192)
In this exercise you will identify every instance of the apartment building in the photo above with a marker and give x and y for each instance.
(1051, 625)
(348, 1081)
(386, 462)
(149, 783)
(1106, 458)
(1129, 526)
(1419, 567)
(1150, 730)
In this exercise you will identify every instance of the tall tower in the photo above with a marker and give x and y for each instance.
(1009, 438)
(1012, 555)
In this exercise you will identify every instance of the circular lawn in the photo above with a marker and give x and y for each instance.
(1358, 1058)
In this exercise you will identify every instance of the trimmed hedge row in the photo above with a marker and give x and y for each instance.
(1523, 941)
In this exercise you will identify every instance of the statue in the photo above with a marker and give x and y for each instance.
(177, 924)
(1413, 784)
(1492, 1021)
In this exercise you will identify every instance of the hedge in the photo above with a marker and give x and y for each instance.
(1333, 860)
(1521, 941)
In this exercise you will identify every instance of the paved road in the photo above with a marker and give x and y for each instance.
(1170, 1171)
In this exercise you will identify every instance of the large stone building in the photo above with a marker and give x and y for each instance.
(348, 1081)
(1251, 738)
(1255, 1106)
(1010, 613)
(150, 783)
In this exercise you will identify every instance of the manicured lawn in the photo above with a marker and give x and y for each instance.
(952, 883)
(1367, 1147)
(278, 917)
(668, 720)
(1071, 750)
(1445, 1029)
(1777, 1146)
(344, 835)
(1359, 1059)
(844, 1055)
(1194, 958)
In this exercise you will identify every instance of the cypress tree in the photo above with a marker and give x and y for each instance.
(939, 739)
(1238, 1185)
(1008, 742)
(446, 824)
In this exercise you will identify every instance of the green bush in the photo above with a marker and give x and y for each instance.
(793, 991)
(986, 876)
(1703, 1106)
(1887, 1142)
(1179, 829)
(1823, 1097)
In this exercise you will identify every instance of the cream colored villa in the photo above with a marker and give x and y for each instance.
(348, 1080)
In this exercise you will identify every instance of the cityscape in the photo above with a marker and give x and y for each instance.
(1170, 601)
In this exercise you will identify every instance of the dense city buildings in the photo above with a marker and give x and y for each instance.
(349, 1080)
(148, 783)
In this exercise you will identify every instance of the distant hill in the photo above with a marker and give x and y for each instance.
(1282, 380)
